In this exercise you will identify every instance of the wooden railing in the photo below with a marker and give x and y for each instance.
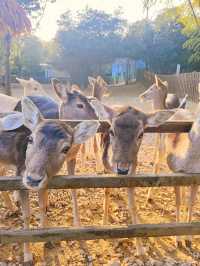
(107, 181)
(104, 232)
(184, 83)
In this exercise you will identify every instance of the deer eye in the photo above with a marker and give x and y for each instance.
(30, 140)
(80, 105)
(111, 132)
(65, 149)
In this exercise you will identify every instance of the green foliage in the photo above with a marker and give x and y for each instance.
(26, 57)
(159, 42)
(193, 45)
(88, 40)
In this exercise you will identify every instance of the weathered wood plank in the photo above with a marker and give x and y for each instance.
(97, 232)
(167, 127)
(107, 181)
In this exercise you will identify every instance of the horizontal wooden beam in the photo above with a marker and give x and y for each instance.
(76, 182)
(167, 127)
(171, 127)
(97, 232)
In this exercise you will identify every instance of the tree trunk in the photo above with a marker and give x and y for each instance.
(7, 43)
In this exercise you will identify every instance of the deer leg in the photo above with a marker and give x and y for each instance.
(83, 155)
(106, 205)
(156, 163)
(191, 201)
(96, 152)
(43, 194)
(24, 200)
(134, 219)
(178, 204)
(46, 202)
(71, 171)
(76, 218)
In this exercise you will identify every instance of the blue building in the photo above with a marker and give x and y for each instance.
(124, 70)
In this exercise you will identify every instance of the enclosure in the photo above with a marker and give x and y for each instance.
(104, 251)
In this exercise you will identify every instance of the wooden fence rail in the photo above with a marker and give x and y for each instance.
(97, 232)
(184, 83)
(76, 182)
(167, 127)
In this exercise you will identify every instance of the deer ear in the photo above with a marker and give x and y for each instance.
(101, 80)
(85, 130)
(160, 83)
(75, 87)
(159, 117)
(60, 90)
(23, 82)
(32, 115)
(11, 121)
(91, 81)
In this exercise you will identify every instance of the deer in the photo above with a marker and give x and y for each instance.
(127, 125)
(8, 104)
(31, 87)
(49, 109)
(73, 105)
(161, 99)
(99, 90)
(38, 147)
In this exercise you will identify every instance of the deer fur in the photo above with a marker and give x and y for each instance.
(29, 149)
(31, 87)
(99, 90)
(161, 99)
(125, 135)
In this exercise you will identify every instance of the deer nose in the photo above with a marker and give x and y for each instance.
(32, 181)
(123, 168)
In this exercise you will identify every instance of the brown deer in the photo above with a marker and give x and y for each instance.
(99, 90)
(38, 152)
(31, 87)
(125, 136)
(161, 99)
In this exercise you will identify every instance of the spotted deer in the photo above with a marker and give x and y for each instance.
(127, 127)
(161, 99)
(38, 151)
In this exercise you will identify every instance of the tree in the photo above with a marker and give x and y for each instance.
(13, 21)
(193, 45)
(27, 55)
(88, 40)
(159, 42)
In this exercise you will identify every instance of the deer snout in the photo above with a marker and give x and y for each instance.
(35, 182)
(123, 168)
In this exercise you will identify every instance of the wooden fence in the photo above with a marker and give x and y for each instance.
(107, 232)
(184, 83)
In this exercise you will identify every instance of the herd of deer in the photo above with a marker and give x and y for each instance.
(38, 146)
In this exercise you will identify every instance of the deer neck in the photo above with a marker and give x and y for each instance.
(159, 101)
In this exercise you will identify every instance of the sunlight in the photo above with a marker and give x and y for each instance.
(132, 11)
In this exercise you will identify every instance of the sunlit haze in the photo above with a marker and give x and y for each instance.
(132, 11)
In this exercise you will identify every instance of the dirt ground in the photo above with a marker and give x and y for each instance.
(159, 251)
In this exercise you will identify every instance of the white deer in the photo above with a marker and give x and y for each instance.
(161, 99)
(31, 87)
